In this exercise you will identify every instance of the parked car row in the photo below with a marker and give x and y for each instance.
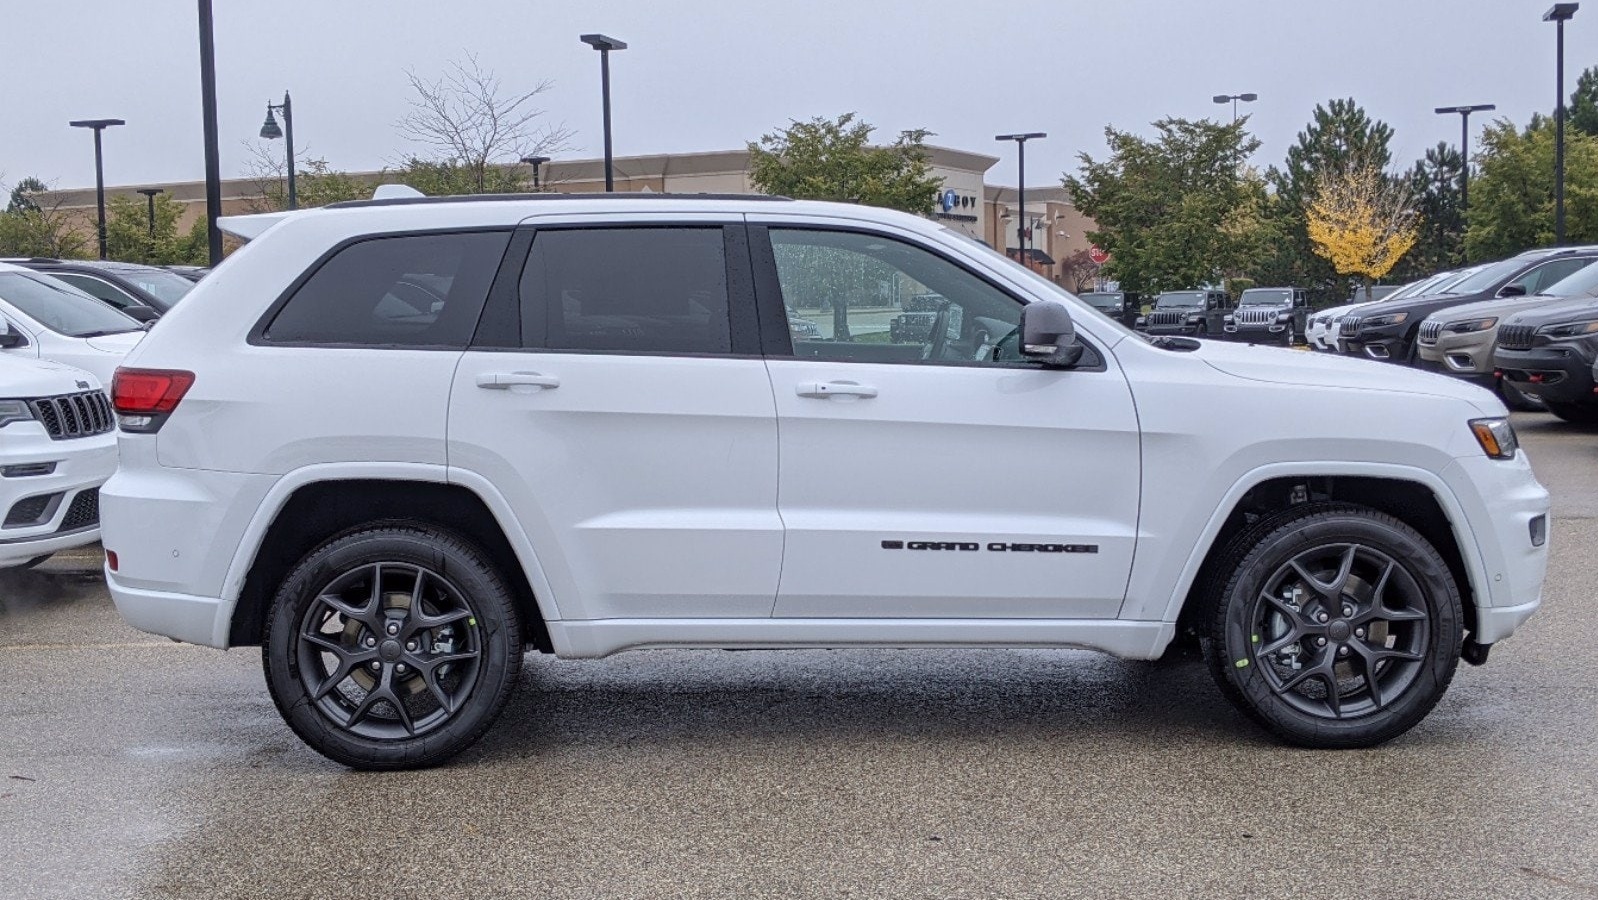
(1526, 327)
(65, 327)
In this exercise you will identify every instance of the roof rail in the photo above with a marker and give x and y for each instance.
(18, 260)
(494, 198)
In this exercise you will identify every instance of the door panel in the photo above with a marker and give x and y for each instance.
(952, 481)
(630, 427)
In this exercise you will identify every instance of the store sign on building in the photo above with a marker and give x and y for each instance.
(951, 200)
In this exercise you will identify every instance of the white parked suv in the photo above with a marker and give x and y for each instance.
(397, 442)
(44, 318)
(57, 447)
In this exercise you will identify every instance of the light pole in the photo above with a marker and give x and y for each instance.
(1233, 98)
(149, 195)
(536, 162)
(1464, 146)
(604, 45)
(1020, 183)
(98, 125)
(213, 163)
(1560, 14)
(271, 132)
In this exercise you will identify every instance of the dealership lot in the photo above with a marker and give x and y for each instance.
(132, 766)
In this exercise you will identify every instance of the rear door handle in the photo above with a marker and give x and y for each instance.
(499, 381)
(825, 389)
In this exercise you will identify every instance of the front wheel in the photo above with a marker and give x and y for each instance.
(1517, 399)
(1340, 627)
(394, 646)
(1575, 413)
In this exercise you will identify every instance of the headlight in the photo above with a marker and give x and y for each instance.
(1194, 320)
(14, 411)
(1230, 318)
(1471, 326)
(1379, 321)
(1142, 320)
(1569, 330)
(1285, 317)
(1496, 437)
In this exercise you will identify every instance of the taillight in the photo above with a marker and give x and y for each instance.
(143, 398)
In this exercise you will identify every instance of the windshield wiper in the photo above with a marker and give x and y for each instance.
(95, 334)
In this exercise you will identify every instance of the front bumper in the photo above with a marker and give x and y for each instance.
(80, 465)
(1276, 333)
(1173, 329)
(1501, 499)
(1385, 343)
(1461, 354)
(1558, 372)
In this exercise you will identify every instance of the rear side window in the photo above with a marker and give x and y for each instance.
(627, 290)
(417, 290)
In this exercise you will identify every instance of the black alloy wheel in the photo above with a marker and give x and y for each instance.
(1341, 627)
(392, 647)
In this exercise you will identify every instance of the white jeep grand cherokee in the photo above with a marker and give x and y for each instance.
(397, 442)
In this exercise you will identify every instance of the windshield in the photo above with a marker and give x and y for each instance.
(163, 286)
(1488, 277)
(1104, 299)
(1171, 299)
(1583, 283)
(60, 307)
(1267, 297)
(1417, 288)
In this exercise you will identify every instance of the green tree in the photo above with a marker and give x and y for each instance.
(833, 159)
(1512, 199)
(1176, 211)
(438, 178)
(129, 237)
(22, 194)
(1434, 183)
(1340, 135)
(33, 225)
(1583, 109)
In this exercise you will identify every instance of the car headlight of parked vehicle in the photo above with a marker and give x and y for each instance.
(14, 411)
(1379, 321)
(1142, 320)
(1194, 320)
(1568, 330)
(1230, 318)
(1496, 436)
(1473, 325)
(1285, 317)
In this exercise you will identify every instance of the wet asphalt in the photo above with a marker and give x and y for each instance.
(131, 766)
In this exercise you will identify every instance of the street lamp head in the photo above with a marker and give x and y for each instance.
(535, 160)
(1466, 110)
(1020, 137)
(151, 192)
(1222, 98)
(1248, 98)
(269, 128)
(96, 124)
(602, 42)
(1561, 12)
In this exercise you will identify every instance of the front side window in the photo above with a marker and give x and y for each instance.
(1545, 276)
(165, 287)
(60, 307)
(418, 290)
(871, 298)
(627, 290)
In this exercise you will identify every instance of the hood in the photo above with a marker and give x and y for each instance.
(119, 343)
(23, 378)
(1279, 365)
(1554, 313)
(1484, 308)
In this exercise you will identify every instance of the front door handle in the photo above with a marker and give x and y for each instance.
(499, 381)
(825, 389)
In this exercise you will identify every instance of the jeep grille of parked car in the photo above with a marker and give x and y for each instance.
(1256, 316)
(1349, 326)
(1516, 337)
(1167, 317)
(1430, 332)
(75, 415)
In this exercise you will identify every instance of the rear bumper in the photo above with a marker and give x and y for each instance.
(182, 617)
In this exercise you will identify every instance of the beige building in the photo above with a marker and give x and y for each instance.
(966, 202)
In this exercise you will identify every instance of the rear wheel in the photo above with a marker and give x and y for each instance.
(1340, 627)
(1575, 413)
(392, 647)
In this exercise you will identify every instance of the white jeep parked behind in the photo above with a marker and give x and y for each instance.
(397, 442)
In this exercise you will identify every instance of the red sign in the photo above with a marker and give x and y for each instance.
(1097, 254)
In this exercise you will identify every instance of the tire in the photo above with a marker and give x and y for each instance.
(1517, 399)
(441, 677)
(1303, 677)
(1575, 413)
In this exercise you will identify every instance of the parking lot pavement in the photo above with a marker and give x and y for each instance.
(131, 766)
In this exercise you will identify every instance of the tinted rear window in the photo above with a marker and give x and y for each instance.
(627, 290)
(421, 290)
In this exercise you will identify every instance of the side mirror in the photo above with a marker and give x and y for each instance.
(140, 313)
(1512, 290)
(1048, 335)
(9, 337)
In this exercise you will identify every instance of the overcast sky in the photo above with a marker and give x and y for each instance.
(713, 74)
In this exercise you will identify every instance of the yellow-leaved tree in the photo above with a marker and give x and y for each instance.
(1361, 221)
